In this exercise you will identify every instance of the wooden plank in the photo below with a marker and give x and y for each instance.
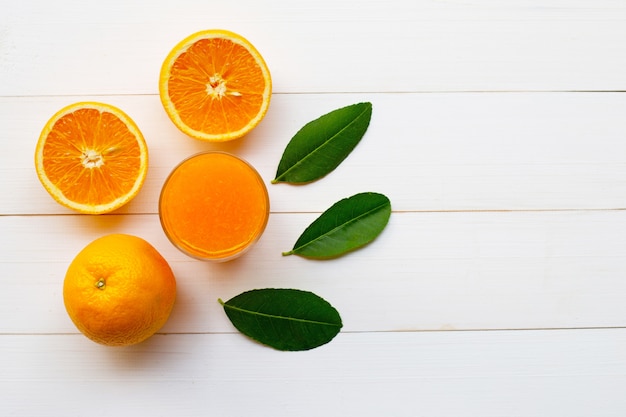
(323, 46)
(440, 374)
(426, 271)
(504, 169)
(425, 151)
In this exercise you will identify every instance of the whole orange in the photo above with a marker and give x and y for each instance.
(119, 290)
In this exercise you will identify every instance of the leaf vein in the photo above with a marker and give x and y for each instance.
(342, 225)
(318, 148)
(273, 316)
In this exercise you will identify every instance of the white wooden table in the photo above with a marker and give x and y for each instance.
(497, 289)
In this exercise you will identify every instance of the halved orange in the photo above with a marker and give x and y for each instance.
(215, 85)
(91, 157)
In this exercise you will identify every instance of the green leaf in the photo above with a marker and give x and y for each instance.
(350, 223)
(284, 319)
(321, 145)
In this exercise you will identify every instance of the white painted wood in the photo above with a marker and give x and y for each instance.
(521, 151)
(426, 271)
(86, 47)
(440, 374)
(505, 170)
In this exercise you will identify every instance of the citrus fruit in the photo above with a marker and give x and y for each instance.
(119, 290)
(91, 157)
(215, 86)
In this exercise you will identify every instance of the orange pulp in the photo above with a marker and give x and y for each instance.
(214, 206)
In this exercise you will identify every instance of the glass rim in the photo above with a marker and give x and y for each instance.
(240, 250)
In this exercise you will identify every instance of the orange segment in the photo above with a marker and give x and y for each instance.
(91, 157)
(215, 86)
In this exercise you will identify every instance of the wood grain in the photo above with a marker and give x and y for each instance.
(426, 271)
(439, 374)
(323, 46)
(426, 152)
(497, 288)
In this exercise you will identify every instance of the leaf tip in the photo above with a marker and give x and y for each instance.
(366, 106)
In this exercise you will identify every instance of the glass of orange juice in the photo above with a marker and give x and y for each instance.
(214, 206)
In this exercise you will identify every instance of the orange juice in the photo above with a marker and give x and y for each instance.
(214, 206)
